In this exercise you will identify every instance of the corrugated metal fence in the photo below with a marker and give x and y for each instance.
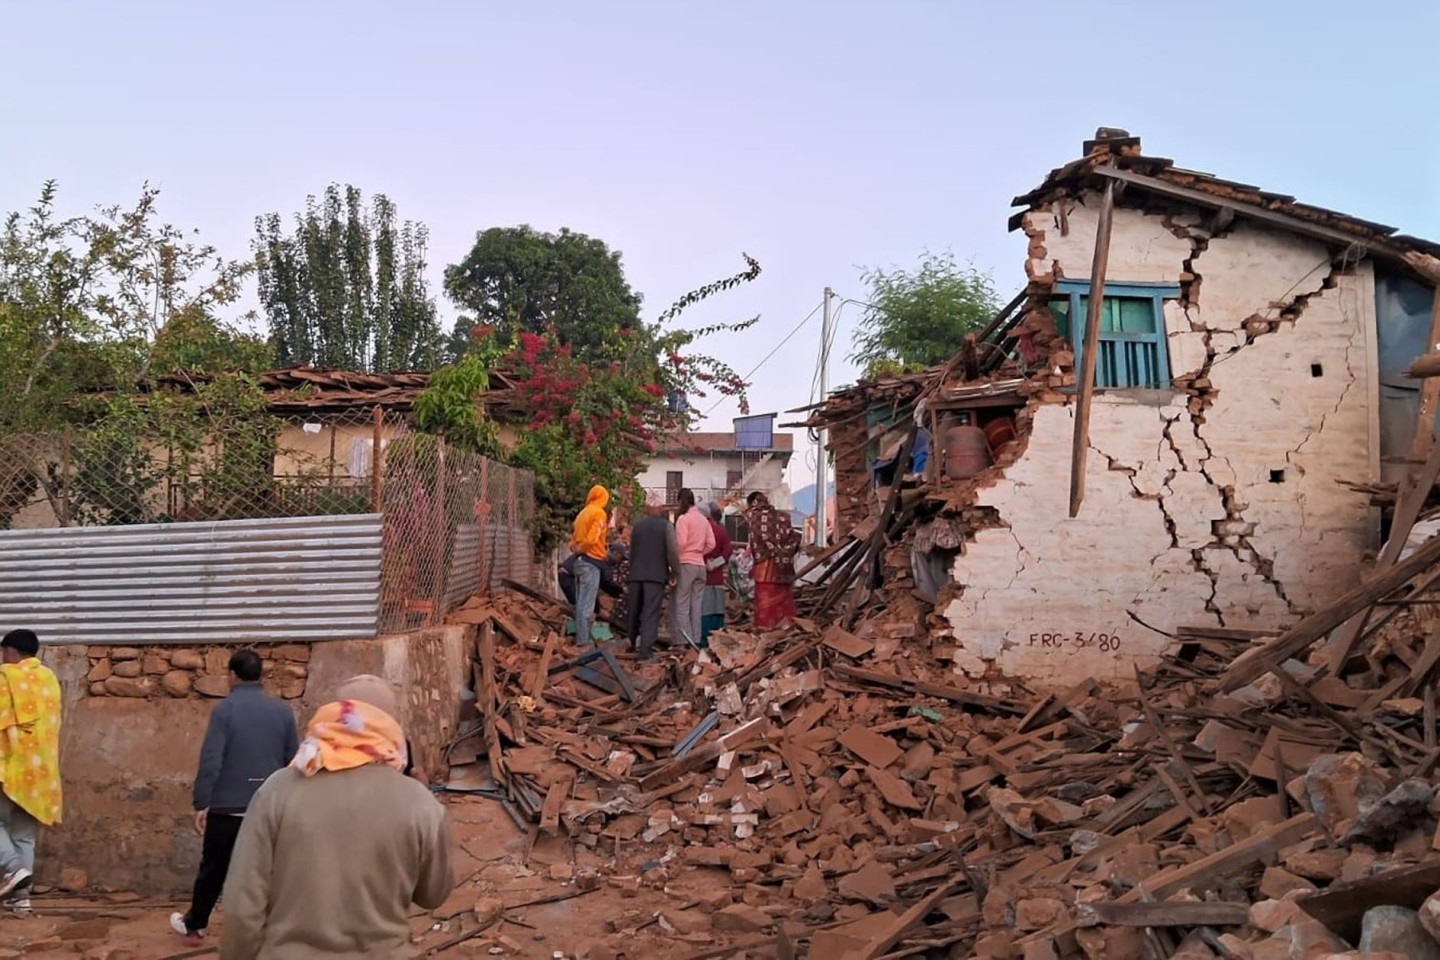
(231, 581)
(509, 555)
(464, 565)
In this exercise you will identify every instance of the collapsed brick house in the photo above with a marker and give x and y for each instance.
(1249, 401)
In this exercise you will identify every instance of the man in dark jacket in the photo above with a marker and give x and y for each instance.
(654, 563)
(250, 736)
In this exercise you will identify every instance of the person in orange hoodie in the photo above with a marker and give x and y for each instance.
(589, 544)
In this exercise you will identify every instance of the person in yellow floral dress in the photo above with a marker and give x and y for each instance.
(29, 759)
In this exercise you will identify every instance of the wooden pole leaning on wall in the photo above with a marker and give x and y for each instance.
(377, 462)
(1089, 356)
(1424, 437)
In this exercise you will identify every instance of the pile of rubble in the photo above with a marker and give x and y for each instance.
(1241, 801)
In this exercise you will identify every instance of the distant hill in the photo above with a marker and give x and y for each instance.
(803, 500)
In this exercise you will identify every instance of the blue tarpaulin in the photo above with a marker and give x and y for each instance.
(919, 456)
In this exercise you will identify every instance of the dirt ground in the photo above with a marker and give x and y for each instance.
(636, 908)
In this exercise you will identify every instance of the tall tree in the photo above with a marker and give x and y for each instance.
(915, 318)
(346, 288)
(518, 280)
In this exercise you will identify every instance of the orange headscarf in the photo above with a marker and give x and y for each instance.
(348, 734)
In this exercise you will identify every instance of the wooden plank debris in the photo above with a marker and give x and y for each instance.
(1412, 500)
(1167, 914)
(1424, 439)
(1307, 632)
(843, 641)
(1342, 906)
(990, 818)
(891, 935)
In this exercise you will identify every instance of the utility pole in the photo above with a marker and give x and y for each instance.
(822, 465)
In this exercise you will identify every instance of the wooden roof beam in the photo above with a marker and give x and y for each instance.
(1286, 221)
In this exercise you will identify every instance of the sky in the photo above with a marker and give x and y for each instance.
(819, 137)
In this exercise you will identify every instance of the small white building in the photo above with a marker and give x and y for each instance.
(726, 467)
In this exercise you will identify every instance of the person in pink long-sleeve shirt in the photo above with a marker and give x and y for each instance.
(695, 539)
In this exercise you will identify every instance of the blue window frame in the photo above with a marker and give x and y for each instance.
(1132, 331)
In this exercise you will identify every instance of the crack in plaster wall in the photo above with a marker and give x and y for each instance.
(1234, 532)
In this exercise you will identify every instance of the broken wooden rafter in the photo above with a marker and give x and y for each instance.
(1236, 858)
(1168, 914)
(1157, 725)
(1342, 905)
(1407, 510)
(953, 694)
(742, 735)
(485, 694)
(1424, 437)
(1256, 663)
(896, 928)
(579, 666)
(1300, 225)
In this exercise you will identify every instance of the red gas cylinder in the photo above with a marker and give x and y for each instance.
(966, 452)
(998, 433)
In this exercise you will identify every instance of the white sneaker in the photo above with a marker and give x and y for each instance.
(20, 906)
(13, 881)
(182, 929)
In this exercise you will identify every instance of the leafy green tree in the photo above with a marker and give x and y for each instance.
(518, 280)
(346, 287)
(97, 313)
(95, 305)
(916, 318)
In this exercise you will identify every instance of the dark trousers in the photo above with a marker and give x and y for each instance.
(219, 842)
(643, 607)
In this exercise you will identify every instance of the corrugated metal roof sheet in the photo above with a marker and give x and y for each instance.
(232, 581)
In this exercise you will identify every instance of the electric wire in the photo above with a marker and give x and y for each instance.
(766, 359)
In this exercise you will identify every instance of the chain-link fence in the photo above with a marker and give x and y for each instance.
(455, 523)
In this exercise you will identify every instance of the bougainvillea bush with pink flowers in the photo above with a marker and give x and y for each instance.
(583, 421)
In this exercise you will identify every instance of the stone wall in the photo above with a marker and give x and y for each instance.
(1216, 503)
(166, 672)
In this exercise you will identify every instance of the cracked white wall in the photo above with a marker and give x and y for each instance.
(1230, 516)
